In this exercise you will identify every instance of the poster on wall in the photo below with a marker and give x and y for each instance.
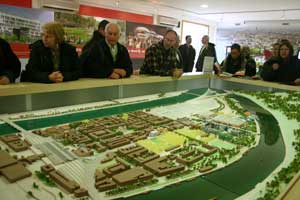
(79, 28)
(259, 41)
(141, 36)
(22, 26)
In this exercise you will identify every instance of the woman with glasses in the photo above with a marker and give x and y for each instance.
(285, 68)
(52, 60)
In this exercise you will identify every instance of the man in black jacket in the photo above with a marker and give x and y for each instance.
(107, 58)
(52, 60)
(10, 65)
(188, 53)
(98, 35)
(208, 49)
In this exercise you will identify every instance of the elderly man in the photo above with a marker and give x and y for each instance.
(107, 58)
(208, 49)
(161, 58)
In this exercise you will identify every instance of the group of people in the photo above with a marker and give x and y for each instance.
(238, 61)
(52, 60)
(283, 66)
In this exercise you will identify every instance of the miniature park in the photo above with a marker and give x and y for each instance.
(138, 152)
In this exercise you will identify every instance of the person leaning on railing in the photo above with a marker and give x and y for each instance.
(162, 58)
(52, 60)
(10, 65)
(285, 68)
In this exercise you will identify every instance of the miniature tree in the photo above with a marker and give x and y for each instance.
(35, 186)
(60, 194)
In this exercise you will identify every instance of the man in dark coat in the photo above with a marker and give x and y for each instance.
(188, 53)
(10, 65)
(98, 35)
(52, 60)
(107, 58)
(208, 49)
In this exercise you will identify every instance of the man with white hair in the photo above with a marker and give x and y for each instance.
(208, 49)
(107, 58)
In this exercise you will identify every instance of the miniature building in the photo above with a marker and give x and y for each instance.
(18, 145)
(161, 167)
(11, 169)
(10, 138)
(128, 150)
(32, 158)
(210, 148)
(81, 192)
(132, 176)
(15, 142)
(142, 156)
(106, 184)
(81, 152)
(63, 181)
(205, 169)
(6, 159)
(115, 169)
(47, 168)
(229, 120)
(15, 172)
(99, 175)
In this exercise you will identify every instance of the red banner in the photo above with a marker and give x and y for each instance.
(21, 50)
(23, 3)
(114, 14)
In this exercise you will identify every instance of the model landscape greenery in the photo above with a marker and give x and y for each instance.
(289, 104)
(137, 152)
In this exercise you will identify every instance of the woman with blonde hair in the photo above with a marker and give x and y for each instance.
(52, 60)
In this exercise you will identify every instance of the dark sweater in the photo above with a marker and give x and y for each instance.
(97, 62)
(188, 57)
(97, 37)
(40, 63)
(209, 51)
(10, 65)
(287, 73)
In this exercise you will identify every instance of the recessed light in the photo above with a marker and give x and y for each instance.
(204, 6)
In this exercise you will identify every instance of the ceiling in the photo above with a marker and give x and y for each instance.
(240, 14)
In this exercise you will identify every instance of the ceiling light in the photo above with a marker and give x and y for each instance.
(204, 6)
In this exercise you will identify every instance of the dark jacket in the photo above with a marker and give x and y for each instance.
(97, 37)
(250, 66)
(231, 65)
(10, 65)
(188, 56)
(287, 72)
(40, 63)
(159, 61)
(97, 62)
(209, 51)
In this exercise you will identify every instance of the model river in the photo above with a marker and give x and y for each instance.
(227, 183)
(238, 178)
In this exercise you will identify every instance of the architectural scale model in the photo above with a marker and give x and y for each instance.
(131, 148)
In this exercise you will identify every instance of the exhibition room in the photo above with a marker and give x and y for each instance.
(150, 99)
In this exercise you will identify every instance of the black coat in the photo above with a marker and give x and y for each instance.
(188, 56)
(209, 51)
(97, 62)
(10, 65)
(40, 63)
(287, 73)
(97, 37)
